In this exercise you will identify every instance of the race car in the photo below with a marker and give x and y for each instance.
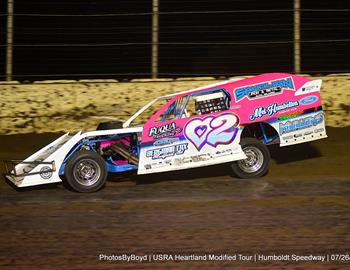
(228, 122)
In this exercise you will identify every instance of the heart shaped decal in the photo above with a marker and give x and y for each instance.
(200, 130)
(196, 131)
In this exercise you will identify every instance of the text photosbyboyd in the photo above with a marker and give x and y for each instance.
(225, 257)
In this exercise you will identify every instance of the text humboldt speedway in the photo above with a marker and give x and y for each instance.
(293, 257)
(212, 257)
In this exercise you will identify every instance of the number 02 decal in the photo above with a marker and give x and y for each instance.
(212, 130)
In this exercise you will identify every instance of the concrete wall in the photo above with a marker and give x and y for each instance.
(72, 106)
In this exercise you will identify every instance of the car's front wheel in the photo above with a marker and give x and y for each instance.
(257, 162)
(85, 171)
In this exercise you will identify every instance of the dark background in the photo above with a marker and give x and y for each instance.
(51, 42)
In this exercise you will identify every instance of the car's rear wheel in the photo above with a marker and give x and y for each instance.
(85, 171)
(257, 162)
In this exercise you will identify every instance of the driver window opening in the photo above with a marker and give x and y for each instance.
(211, 103)
(174, 111)
(205, 102)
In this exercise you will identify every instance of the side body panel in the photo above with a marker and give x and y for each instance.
(290, 104)
(190, 142)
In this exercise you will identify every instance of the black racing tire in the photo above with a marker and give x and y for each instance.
(85, 171)
(258, 162)
(109, 125)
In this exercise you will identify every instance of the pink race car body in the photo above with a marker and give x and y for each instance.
(275, 108)
(228, 122)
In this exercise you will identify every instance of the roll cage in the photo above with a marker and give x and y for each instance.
(176, 105)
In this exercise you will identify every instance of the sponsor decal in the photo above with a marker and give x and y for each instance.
(293, 125)
(272, 109)
(181, 161)
(162, 153)
(198, 158)
(310, 88)
(287, 137)
(157, 164)
(308, 132)
(308, 100)
(211, 130)
(166, 141)
(167, 130)
(46, 172)
(319, 130)
(264, 89)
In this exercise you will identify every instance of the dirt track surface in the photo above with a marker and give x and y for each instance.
(301, 207)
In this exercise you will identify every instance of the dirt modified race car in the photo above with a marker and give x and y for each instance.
(228, 122)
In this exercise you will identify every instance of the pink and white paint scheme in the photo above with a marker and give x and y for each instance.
(290, 104)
